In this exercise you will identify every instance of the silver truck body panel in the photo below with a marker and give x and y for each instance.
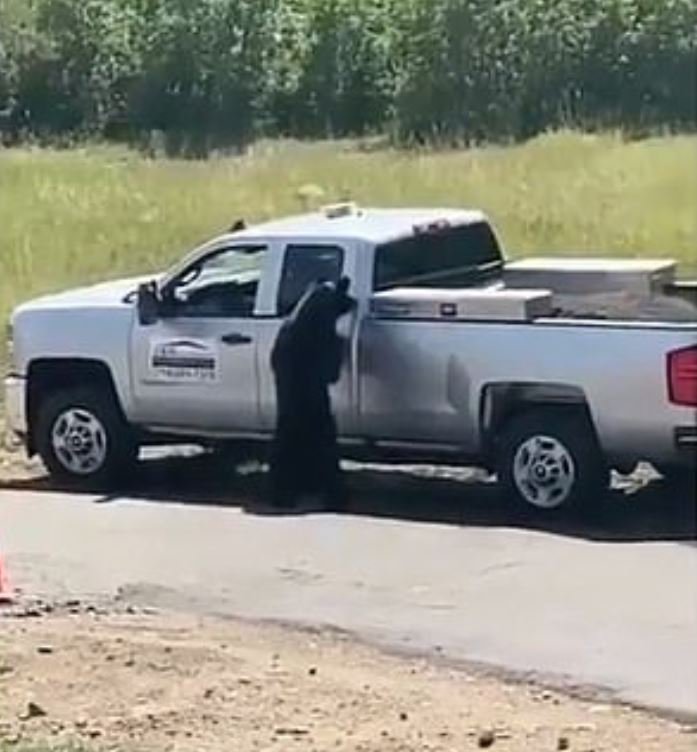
(427, 380)
(88, 332)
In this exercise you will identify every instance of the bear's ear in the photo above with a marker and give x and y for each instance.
(343, 286)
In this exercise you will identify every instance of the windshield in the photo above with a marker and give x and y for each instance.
(453, 257)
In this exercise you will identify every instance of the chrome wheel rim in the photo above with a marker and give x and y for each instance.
(79, 441)
(544, 472)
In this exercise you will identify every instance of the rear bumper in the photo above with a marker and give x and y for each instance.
(15, 404)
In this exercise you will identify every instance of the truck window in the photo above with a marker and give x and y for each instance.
(453, 257)
(302, 266)
(223, 285)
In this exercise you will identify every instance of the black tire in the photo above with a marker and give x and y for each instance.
(552, 452)
(113, 444)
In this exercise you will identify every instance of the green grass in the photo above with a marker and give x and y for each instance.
(78, 216)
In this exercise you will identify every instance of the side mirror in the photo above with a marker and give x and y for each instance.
(148, 304)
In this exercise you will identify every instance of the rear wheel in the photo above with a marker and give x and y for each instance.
(83, 439)
(549, 460)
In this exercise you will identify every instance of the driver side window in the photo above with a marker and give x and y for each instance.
(222, 285)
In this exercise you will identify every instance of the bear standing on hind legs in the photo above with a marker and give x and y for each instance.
(306, 359)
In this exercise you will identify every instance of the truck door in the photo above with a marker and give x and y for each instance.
(195, 369)
(303, 263)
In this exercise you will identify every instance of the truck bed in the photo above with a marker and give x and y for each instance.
(611, 289)
(497, 301)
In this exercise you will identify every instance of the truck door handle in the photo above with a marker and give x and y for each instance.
(235, 338)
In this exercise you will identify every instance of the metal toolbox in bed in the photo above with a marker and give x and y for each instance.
(487, 304)
(578, 276)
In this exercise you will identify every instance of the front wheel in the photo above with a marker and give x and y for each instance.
(83, 439)
(549, 460)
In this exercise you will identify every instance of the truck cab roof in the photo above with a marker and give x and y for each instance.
(375, 226)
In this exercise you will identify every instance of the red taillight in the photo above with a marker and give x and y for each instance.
(682, 377)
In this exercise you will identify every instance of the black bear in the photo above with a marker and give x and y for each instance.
(306, 359)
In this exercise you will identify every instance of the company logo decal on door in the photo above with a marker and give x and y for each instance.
(184, 361)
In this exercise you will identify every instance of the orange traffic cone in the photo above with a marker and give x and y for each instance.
(6, 592)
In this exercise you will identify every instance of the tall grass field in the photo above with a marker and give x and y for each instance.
(74, 217)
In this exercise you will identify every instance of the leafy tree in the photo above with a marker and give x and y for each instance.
(219, 73)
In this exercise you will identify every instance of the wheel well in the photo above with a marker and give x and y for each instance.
(501, 403)
(47, 376)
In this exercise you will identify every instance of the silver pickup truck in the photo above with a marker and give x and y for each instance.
(548, 372)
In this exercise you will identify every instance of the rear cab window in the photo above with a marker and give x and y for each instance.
(452, 256)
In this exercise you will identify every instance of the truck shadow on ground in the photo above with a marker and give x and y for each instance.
(635, 513)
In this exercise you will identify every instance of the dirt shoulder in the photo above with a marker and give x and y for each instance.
(153, 681)
(16, 467)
